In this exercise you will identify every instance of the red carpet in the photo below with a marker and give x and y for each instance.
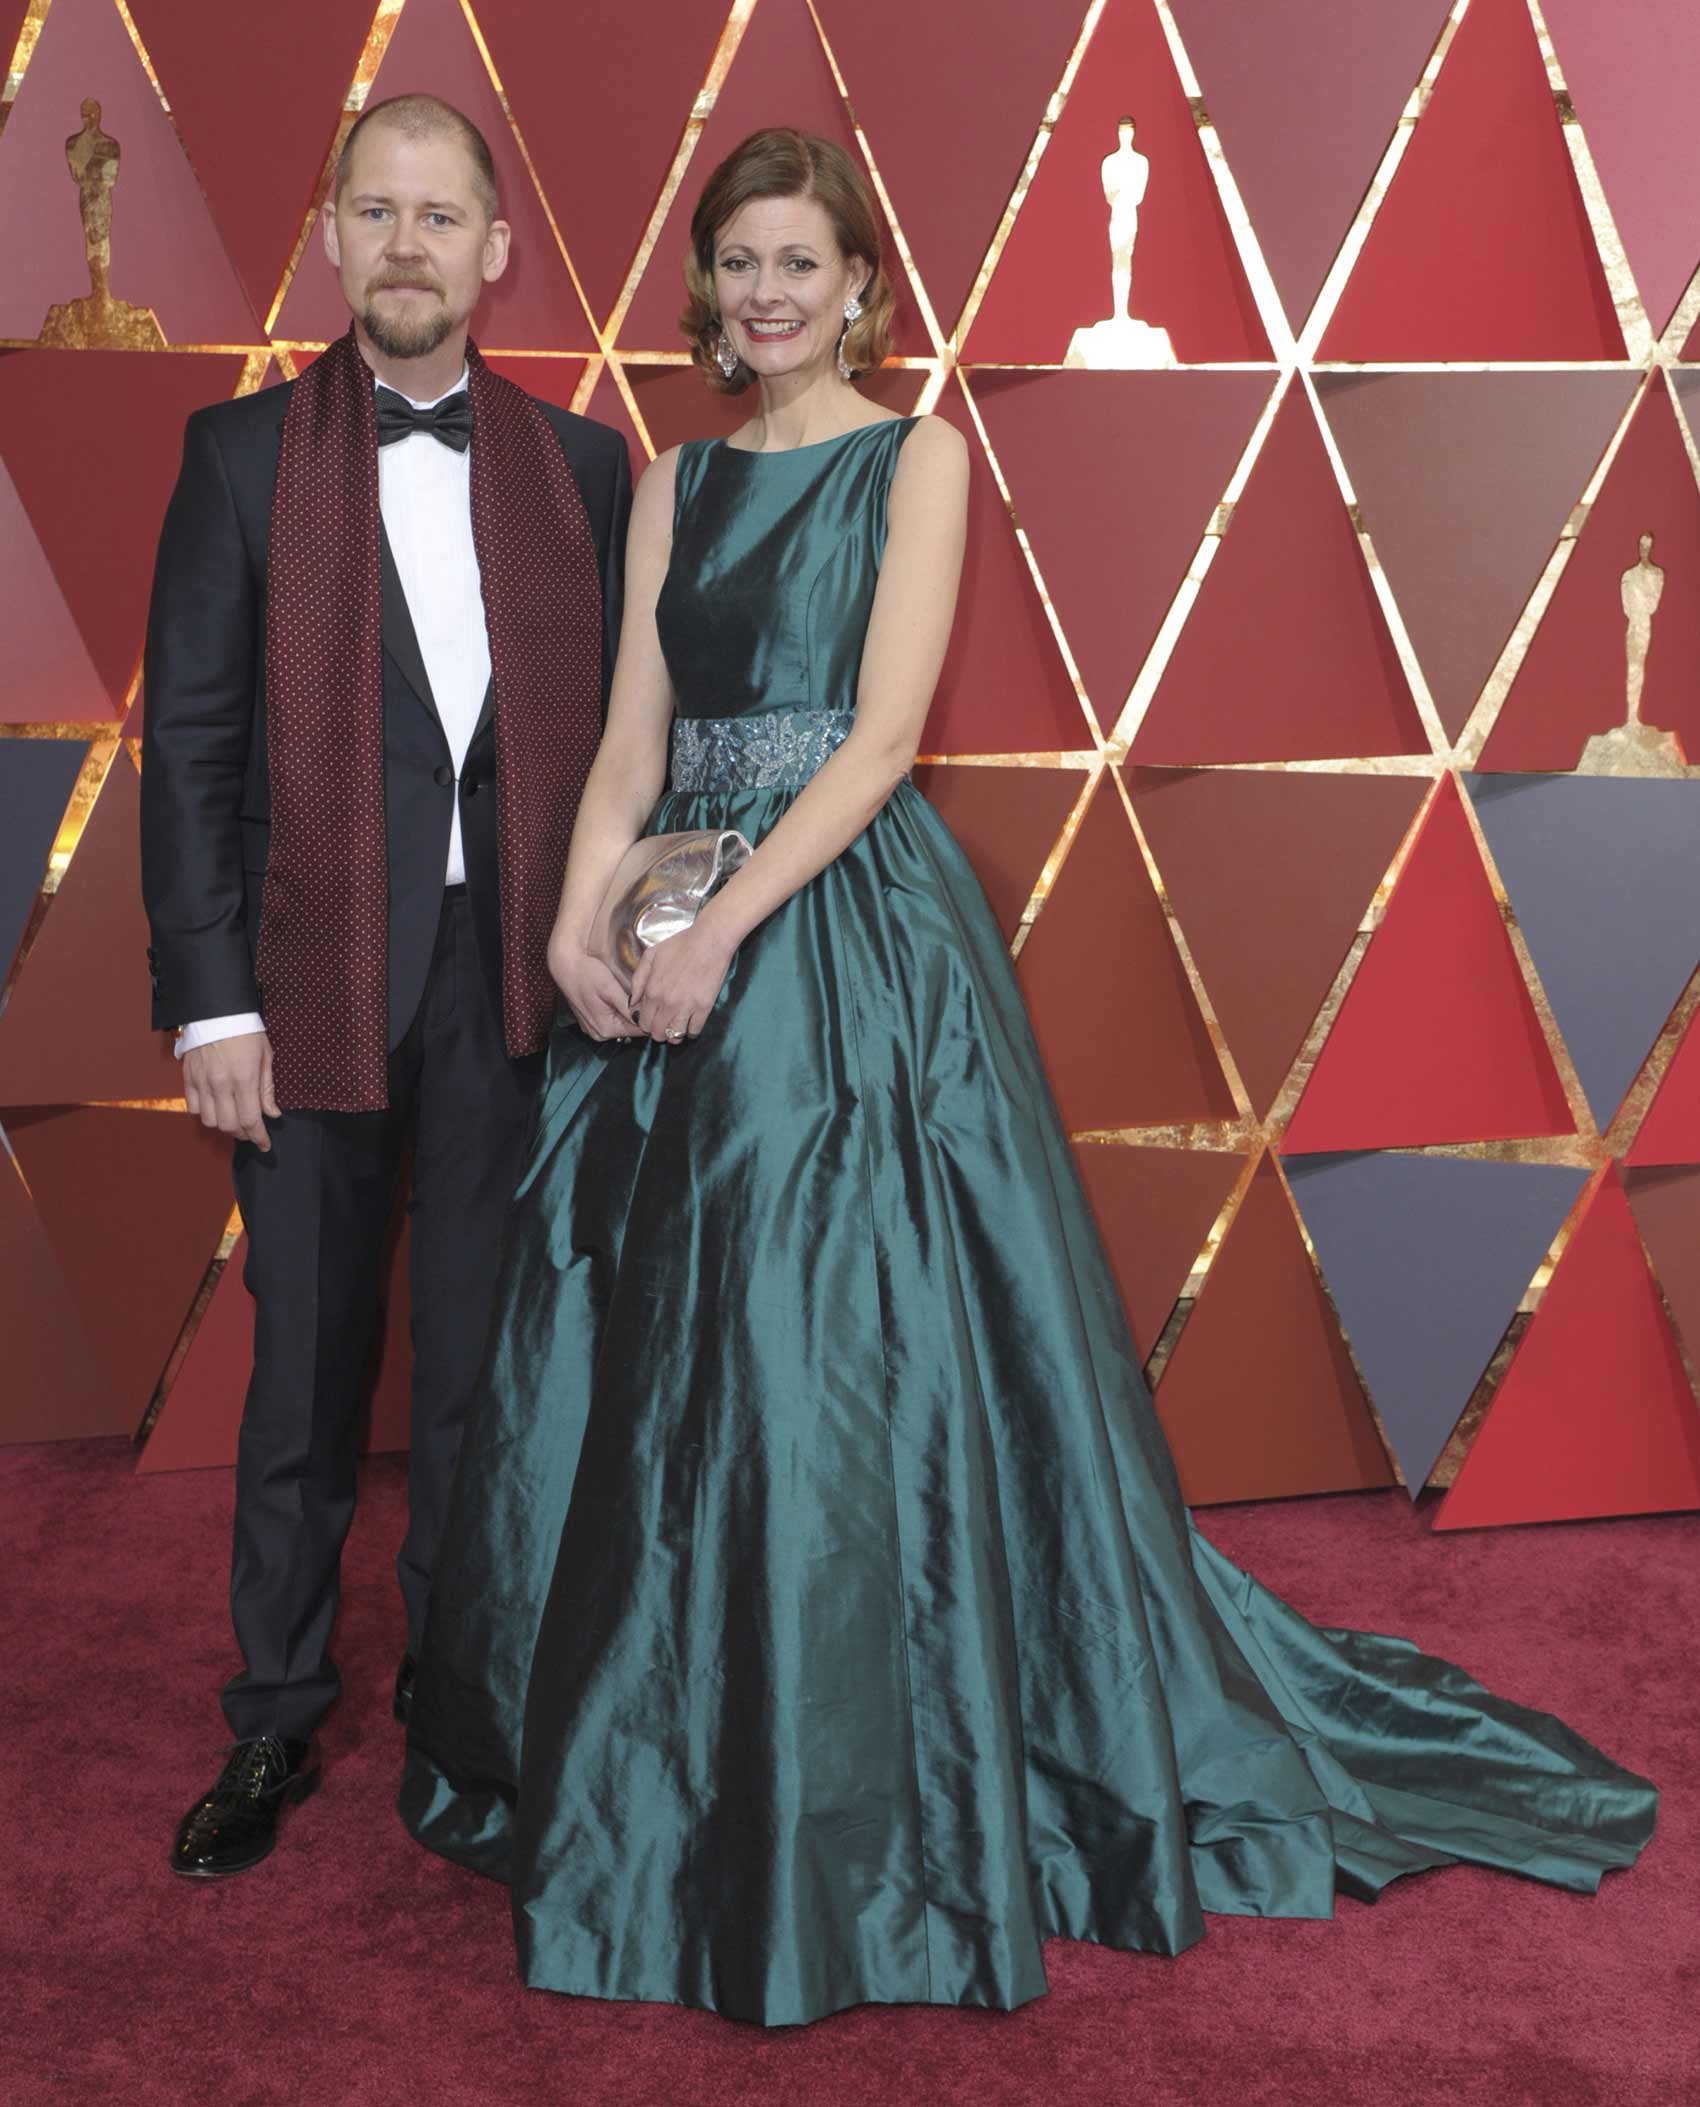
(352, 1969)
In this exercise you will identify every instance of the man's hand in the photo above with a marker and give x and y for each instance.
(228, 1085)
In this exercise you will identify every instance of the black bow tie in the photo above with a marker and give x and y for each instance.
(449, 420)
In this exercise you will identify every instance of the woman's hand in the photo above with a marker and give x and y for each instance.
(593, 990)
(674, 988)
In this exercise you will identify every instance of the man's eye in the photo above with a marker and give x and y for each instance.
(438, 219)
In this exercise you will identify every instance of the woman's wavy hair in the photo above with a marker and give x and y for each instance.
(782, 163)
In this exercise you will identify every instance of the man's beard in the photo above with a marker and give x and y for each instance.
(406, 335)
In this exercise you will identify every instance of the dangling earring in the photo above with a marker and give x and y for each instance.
(725, 357)
(852, 314)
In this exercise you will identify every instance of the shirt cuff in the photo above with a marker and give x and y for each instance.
(210, 1029)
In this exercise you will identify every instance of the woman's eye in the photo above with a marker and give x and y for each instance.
(802, 263)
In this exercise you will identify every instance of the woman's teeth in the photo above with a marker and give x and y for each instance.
(772, 332)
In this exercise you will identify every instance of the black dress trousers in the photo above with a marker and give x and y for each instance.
(316, 1207)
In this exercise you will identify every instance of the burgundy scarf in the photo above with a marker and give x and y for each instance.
(324, 934)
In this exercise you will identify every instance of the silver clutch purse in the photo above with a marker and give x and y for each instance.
(657, 888)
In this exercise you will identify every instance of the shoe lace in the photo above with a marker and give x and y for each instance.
(253, 1767)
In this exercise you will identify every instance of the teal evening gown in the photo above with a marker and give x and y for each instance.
(818, 1619)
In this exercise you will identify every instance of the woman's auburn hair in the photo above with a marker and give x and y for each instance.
(782, 163)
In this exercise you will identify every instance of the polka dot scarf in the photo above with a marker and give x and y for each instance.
(324, 940)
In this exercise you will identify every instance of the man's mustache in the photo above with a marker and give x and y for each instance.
(397, 283)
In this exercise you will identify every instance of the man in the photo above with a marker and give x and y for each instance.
(383, 623)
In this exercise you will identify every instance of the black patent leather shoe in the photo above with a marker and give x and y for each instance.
(402, 1703)
(235, 1825)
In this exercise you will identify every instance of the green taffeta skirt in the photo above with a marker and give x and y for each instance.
(819, 1620)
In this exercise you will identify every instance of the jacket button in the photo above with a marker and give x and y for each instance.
(442, 775)
(469, 785)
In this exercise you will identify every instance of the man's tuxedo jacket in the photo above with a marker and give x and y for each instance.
(206, 800)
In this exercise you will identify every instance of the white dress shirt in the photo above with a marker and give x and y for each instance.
(425, 497)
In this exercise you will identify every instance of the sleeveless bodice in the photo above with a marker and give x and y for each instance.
(775, 558)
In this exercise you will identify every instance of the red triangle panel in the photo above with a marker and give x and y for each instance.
(1259, 1399)
(1572, 683)
(53, 1390)
(1594, 1415)
(1269, 875)
(1007, 821)
(1002, 74)
(1666, 1207)
(602, 136)
(533, 306)
(779, 76)
(1633, 72)
(134, 1204)
(1054, 274)
(1004, 688)
(93, 440)
(608, 406)
(217, 64)
(1122, 1036)
(1154, 1209)
(1404, 1063)
(76, 1027)
(1482, 248)
(1670, 1133)
(1428, 452)
(1304, 95)
(1285, 656)
(1114, 478)
(50, 677)
(549, 379)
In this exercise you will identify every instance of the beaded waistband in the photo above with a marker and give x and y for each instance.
(767, 750)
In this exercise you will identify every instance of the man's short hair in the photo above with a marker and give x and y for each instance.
(427, 117)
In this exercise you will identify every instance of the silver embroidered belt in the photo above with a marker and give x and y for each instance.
(766, 750)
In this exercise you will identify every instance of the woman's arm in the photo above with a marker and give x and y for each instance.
(677, 982)
(630, 769)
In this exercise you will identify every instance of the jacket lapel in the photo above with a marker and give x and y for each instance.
(401, 640)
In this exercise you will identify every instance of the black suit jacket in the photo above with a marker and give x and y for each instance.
(206, 798)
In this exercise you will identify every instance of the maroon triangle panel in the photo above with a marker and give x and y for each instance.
(1269, 876)
(549, 379)
(608, 406)
(1002, 62)
(1572, 683)
(1114, 478)
(76, 1027)
(1054, 274)
(779, 76)
(1666, 1207)
(1154, 1209)
(1004, 688)
(1633, 72)
(199, 1423)
(165, 249)
(93, 440)
(1286, 655)
(1481, 249)
(1304, 95)
(1403, 1065)
(1007, 821)
(1670, 1133)
(1121, 1033)
(1433, 456)
(1594, 1415)
(53, 1389)
(1259, 1399)
(218, 65)
(50, 677)
(601, 136)
(134, 1204)
(533, 306)
(202, 1414)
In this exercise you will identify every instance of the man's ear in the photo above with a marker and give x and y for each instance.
(496, 240)
(327, 222)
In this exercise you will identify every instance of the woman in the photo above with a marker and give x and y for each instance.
(818, 1620)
